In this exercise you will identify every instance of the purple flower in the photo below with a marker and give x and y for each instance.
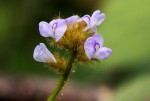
(55, 29)
(93, 47)
(95, 20)
(42, 54)
(71, 20)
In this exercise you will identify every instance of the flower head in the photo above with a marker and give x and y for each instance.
(93, 47)
(72, 34)
(42, 54)
(55, 29)
(95, 20)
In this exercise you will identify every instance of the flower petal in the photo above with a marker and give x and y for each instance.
(42, 54)
(94, 18)
(89, 47)
(85, 18)
(97, 18)
(98, 38)
(103, 53)
(71, 20)
(101, 19)
(44, 29)
(60, 30)
(59, 27)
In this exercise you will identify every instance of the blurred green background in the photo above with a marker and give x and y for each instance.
(126, 31)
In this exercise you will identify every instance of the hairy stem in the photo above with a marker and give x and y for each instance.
(64, 78)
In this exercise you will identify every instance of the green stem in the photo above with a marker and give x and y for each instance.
(63, 80)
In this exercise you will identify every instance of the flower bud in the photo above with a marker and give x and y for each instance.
(42, 54)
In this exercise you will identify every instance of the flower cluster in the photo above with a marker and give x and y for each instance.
(74, 34)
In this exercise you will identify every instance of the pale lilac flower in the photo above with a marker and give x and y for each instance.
(42, 54)
(95, 20)
(55, 29)
(93, 47)
(71, 20)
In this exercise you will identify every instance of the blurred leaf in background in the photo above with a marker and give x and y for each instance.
(126, 30)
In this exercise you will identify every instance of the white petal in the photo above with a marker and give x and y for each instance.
(42, 54)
